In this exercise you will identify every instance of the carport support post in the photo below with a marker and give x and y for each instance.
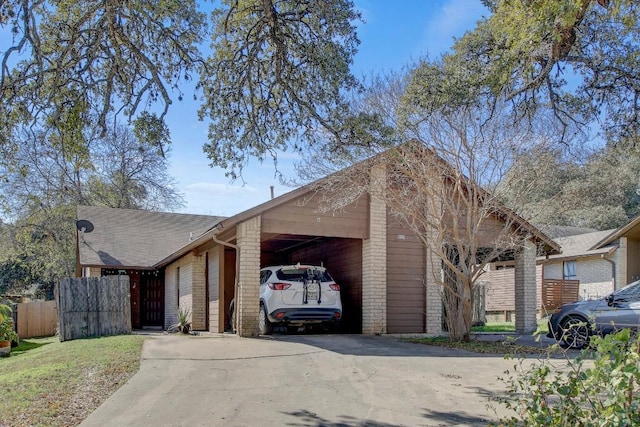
(248, 292)
(526, 289)
(374, 258)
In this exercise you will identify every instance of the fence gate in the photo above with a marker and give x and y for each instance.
(93, 307)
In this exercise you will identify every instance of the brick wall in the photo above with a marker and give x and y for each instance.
(248, 300)
(95, 272)
(374, 259)
(526, 289)
(214, 303)
(199, 293)
(594, 274)
(171, 299)
(433, 265)
(621, 256)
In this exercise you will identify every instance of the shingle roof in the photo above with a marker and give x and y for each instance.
(558, 231)
(136, 238)
(580, 245)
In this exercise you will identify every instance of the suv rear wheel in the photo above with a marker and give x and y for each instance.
(264, 326)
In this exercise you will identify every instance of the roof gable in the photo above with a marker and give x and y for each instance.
(631, 229)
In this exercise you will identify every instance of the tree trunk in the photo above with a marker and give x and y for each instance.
(458, 309)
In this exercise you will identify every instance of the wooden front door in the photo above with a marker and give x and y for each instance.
(152, 292)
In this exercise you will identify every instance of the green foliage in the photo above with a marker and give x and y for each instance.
(7, 331)
(573, 59)
(109, 57)
(184, 321)
(278, 74)
(150, 130)
(48, 176)
(599, 192)
(599, 387)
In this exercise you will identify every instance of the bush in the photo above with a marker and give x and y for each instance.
(600, 387)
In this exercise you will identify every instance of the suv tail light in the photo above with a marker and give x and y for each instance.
(335, 287)
(279, 286)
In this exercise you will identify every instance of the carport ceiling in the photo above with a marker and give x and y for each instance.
(285, 242)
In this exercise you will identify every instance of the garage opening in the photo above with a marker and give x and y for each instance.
(342, 257)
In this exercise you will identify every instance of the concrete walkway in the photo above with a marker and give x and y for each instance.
(304, 380)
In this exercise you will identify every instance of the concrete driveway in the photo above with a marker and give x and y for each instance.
(303, 380)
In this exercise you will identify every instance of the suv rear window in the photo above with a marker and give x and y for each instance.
(298, 275)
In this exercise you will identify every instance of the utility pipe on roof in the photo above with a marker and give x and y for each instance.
(234, 321)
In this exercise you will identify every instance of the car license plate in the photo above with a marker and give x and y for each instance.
(312, 291)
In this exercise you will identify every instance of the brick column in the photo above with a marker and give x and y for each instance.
(433, 272)
(248, 298)
(199, 303)
(526, 289)
(214, 290)
(374, 258)
(621, 256)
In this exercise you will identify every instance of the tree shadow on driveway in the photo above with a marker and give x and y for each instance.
(306, 418)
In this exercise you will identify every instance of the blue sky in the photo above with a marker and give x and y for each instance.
(394, 33)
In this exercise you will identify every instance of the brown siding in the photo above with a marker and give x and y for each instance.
(343, 259)
(406, 293)
(633, 265)
(301, 216)
(227, 275)
(500, 290)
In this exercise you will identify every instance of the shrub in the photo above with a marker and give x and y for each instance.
(600, 387)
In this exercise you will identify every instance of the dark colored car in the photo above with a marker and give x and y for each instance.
(574, 323)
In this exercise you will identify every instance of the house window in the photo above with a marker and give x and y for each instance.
(569, 268)
(178, 287)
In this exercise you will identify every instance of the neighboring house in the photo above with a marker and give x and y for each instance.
(626, 240)
(382, 268)
(599, 261)
(594, 268)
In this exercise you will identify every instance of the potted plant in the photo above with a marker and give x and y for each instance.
(7, 333)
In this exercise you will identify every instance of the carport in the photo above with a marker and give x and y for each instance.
(288, 230)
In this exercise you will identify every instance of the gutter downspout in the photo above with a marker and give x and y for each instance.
(234, 321)
(613, 265)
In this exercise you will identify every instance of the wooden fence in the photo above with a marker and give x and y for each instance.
(556, 292)
(93, 307)
(36, 319)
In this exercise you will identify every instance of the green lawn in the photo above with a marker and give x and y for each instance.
(495, 327)
(48, 383)
(509, 327)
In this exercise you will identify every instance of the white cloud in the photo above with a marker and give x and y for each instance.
(452, 19)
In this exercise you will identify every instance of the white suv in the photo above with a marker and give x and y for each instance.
(296, 296)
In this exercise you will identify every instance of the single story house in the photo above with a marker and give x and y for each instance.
(591, 265)
(202, 262)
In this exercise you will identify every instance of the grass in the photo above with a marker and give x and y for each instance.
(495, 327)
(48, 383)
(506, 347)
(542, 328)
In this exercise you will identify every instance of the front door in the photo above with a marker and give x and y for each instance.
(152, 289)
